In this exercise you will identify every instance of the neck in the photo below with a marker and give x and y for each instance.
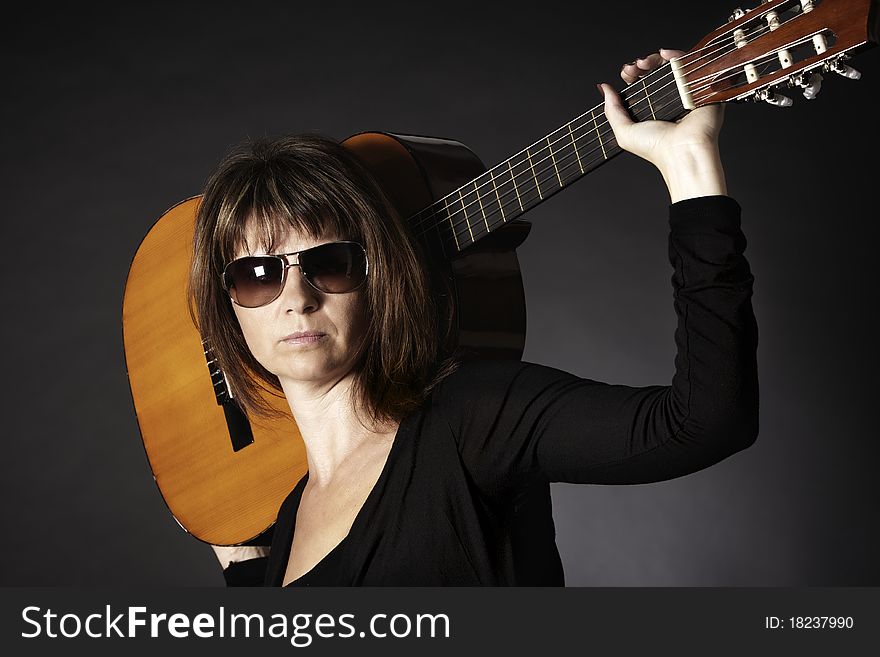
(331, 428)
(516, 185)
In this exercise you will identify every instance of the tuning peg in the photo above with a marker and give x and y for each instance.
(811, 87)
(842, 69)
(773, 98)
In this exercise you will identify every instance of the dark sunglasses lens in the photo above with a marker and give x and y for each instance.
(254, 281)
(336, 267)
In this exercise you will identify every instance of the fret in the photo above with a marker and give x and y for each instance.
(648, 98)
(574, 146)
(598, 134)
(490, 201)
(515, 187)
(497, 196)
(465, 213)
(567, 157)
(532, 165)
(637, 107)
(477, 186)
(658, 104)
(571, 156)
(451, 224)
(526, 181)
(553, 158)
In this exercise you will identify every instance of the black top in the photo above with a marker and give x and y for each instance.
(464, 497)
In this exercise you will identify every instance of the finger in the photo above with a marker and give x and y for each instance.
(634, 70)
(649, 63)
(615, 112)
(669, 53)
(629, 73)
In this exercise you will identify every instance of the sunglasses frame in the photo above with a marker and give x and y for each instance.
(286, 264)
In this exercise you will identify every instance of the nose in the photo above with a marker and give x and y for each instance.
(298, 296)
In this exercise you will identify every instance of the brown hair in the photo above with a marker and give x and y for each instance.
(314, 185)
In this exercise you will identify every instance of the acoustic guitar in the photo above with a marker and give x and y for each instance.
(223, 474)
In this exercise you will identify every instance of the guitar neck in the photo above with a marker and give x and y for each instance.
(534, 174)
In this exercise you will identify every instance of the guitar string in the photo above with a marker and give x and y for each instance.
(567, 160)
(429, 214)
(579, 155)
(562, 164)
(770, 56)
(761, 62)
(758, 32)
(556, 168)
(529, 196)
(604, 123)
(592, 111)
(505, 188)
(579, 159)
(586, 162)
(706, 82)
(768, 59)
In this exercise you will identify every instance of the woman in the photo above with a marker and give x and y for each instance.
(423, 470)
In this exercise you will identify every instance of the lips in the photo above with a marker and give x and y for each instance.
(303, 336)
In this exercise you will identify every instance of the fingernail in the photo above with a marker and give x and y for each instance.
(601, 90)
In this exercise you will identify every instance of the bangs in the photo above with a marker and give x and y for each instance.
(258, 211)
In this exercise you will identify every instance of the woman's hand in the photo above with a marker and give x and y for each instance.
(229, 554)
(685, 152)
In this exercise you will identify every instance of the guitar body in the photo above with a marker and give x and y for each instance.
(488, 304)
(226, 490)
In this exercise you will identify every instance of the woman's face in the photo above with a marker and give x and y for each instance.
(269, 330)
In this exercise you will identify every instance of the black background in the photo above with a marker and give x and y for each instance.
(113, 112)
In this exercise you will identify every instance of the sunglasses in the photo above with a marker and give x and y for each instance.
(332, 268)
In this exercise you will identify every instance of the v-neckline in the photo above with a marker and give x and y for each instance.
(362, 512)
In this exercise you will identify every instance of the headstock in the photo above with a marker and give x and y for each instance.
(780, 42)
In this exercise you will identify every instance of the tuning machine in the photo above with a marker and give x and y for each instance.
(736, 15)
(836, 65)
(769, 96)
(811, 86)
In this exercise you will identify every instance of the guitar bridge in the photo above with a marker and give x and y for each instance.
(240, 433)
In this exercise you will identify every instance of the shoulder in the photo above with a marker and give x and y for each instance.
(485, 368)
(479, 375)
(483, 387)
(494, 372)
(496, 412)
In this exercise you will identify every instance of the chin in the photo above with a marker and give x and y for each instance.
(304, 374)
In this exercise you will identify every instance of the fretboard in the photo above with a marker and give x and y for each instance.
(518, 184)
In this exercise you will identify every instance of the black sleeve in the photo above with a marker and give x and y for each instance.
(250, 572)
(515, 421)
(246, 573)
